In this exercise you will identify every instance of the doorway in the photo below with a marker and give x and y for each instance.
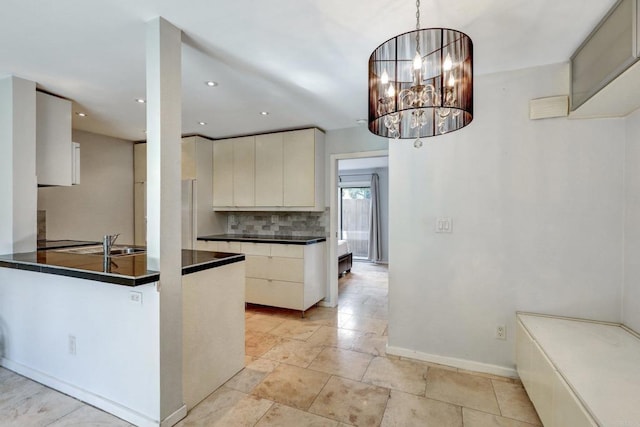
(352, 172)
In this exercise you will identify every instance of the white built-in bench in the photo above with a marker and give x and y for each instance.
(578, 372)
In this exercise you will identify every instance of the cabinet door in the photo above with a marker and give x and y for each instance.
(140, 162)
(188, 158)
(223, 173)
(54, 154)
(140, 213)
(244, 172)
(299, 168)
(286, 269)
(269, 173)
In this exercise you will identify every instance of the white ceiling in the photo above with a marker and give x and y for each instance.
(303, 61)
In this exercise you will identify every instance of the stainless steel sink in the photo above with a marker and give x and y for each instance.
(116, 251)
(125, 251)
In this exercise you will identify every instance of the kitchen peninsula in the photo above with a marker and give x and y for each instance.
(94, 334)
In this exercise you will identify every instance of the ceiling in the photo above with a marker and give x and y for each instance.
(305, 62)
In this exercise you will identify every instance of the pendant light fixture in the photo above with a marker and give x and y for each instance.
(421, 83)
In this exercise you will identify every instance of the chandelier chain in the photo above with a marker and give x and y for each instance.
(417, 25)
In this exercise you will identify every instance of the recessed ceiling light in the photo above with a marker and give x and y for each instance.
(264, 113)
(361, 121)
(211, 83)
(202, 123)
(81, 114)
(140, 101)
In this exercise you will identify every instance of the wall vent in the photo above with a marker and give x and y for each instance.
(551, 106)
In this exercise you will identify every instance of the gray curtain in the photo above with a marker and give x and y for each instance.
(375, 244)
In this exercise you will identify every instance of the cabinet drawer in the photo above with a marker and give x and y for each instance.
(275, 293)
(249, 248)
(257, 266)
(287, 269)
(232, 247)
(287, 251)
(203, 245)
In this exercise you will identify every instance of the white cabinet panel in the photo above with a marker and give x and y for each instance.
(223, 173)
(250, 248)
(244, 172)
(567, 410)
(269, 169)
(257, 266)
(188, 157)
(274, 293)
(287, 251)
(140, 162)
(287, 269)
(54, 148)
(299, 168)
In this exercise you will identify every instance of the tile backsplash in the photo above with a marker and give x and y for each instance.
(279, 223)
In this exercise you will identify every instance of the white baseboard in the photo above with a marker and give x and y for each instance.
(469, 365)
(106, 405)
(174, 418)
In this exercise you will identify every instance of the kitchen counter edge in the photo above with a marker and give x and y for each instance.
(284, 240)
(192, 261)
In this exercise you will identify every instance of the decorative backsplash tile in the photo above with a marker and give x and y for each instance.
(279, 223)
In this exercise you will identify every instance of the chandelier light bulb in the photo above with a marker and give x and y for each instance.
(451, 82)
(391, 92)
(385, 77)
(417, 61)
(448, 64)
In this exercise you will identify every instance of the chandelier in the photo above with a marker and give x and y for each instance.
(421, 83)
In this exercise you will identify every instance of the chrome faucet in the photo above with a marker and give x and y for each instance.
(107, 243)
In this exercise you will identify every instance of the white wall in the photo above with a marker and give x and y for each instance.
(103, 202)
(631, 301)
(116, 365)
(349, 140)
(537, 209)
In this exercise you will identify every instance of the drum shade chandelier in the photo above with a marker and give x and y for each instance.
(421, 83)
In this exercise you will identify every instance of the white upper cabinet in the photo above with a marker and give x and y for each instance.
(54, 148)
(269, 169)
(299, 168)
(244, 172)
(223, 173)
(140, 162)
(281, 171)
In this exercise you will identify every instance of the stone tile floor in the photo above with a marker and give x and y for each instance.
(326, 369)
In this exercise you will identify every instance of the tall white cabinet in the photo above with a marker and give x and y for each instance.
(197, 163)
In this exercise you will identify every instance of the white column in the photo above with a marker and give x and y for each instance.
(164, 110)
(18, 184)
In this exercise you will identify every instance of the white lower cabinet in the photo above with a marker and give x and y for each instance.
(555, 403)
(279, 275)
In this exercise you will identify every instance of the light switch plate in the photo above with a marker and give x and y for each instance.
(135, 297)
(444, 225)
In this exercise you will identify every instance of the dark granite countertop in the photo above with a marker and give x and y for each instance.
(255, 238)
(128, 270)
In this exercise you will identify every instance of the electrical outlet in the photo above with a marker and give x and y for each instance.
(444, 225)
(501, 332)
(72, 345)
(135, 297)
